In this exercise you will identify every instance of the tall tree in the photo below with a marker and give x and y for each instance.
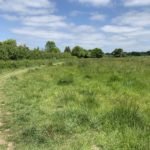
(118, 52)
(67, 49)
(3, 52)
(11, 47)
(97, 53)
(51, 47)
(148, 52)
(78, 51)
(10, 42)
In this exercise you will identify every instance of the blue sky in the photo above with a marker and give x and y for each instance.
(107, 24)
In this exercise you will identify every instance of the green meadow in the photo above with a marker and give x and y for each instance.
(80, 104)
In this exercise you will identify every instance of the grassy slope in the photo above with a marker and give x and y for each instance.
(87, 104)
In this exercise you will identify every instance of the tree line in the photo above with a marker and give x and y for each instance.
(9, 50)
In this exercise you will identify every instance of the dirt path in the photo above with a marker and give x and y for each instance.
(4, 134)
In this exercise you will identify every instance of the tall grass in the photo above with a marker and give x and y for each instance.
(82, 104)
(10, 64)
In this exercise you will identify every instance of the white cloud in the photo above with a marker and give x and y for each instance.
(120, 29)
(136, 2)
(130, 31)
(94, 2)
(83, 35)
(134, 18)
(41, 33)
(141, 35)
(80, 33)
(97, 16)
(45, 26)
(92, 15)
(83, 28)
(27, 6)
(37, 20)
(53, 21)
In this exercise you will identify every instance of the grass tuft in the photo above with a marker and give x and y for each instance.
(33, 135)
(124, 114)
(66, 80)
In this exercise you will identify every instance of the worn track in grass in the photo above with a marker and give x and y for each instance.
(4, 134)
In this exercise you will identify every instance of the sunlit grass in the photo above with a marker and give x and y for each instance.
(82, 104)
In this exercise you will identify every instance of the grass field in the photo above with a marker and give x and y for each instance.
(9, 65)
(86, 104)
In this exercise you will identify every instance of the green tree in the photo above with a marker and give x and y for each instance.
(37, 53)
(78, 51)
(51, 47)
(23, 52)
(10, 48)
(10, 42)
(3, 52)
(148, 52)
(97, 53)
(67, 49)
(87, 54)
(118, 52)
